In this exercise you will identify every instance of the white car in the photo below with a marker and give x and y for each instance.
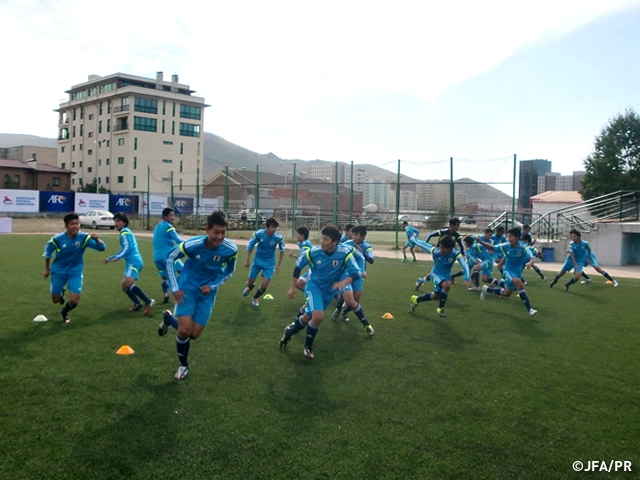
(97, 219)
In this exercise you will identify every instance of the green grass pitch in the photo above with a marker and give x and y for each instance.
(487, 392)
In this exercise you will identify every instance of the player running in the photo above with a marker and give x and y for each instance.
(165, 238)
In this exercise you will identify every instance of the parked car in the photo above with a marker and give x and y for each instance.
(97, 219)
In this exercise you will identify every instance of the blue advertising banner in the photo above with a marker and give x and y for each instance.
(123, 203)
(56, 201)
(183, 205)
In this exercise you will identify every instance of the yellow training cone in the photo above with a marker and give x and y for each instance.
(268, 296)
(609, 282)
(125, 350)
(387, 315)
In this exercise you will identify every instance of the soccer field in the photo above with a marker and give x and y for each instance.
(487, 392)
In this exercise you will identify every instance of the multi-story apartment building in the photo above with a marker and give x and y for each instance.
(120, 130)
(327, 172)
(530, 170)
(554, 181)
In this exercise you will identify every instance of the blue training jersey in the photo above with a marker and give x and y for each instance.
(581, 251)
(442, 263)
(479, 252)
(203, 266)
(128, 247)
(165, 238)
(305, 245)
(515, 258)
(70, 251)
(411, 232)
(361, 254)
(266, 247)
(328, 268)
(445, 231)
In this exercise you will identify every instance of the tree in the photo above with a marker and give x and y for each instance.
(615, 162)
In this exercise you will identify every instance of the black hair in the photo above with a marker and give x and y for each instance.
(217, 218)
(526, 238)
(70, 216)
(304, 231)
(348, 227)
(526, 225)
(454, 221)
(271, 221)
(516, 232)
(405, 223)
(122, 216)
(360, 230)
(332, 232)
(166, 211)
(447, 242)
(468, 240)
(488, 230)
(500, 229)
(573, 231)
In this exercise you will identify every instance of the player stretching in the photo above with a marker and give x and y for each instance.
(133, 264)
(593, 261)
(443, 257)
(329, 263)
(481, 259)
(349, 298)
(515, 255)
(267, 239)
(165, 238)
(211, 261)
(412, 234)
(526, 238)
(454, 226)
(67, 266)
(579, 253)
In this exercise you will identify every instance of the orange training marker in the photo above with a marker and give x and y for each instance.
(387, 315)
(125, 350)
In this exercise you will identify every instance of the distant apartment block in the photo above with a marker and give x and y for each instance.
(120, 130)
(554, 181)
(530, 170)
(327, 172)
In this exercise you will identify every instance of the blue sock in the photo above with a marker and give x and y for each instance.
(443, 298)
(585, 276)
(165, 287)
(138, 291)
(475, 278)
(131, 295)
(424, 298)
(258, 293)
(607, 276)
(182, 345)
(524, 298)
(173, 321)
(538, 271)
(570, 282)
(295, 327)
(311, 335)
(497, 291)
(68, 307)
(459, 274)
(360, 314)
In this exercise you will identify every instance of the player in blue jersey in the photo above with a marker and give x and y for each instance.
(497, 239)
(302, 237)
(515, 256)
(349, 298)
(444, 255)
(454, 226)
(165, 238)
(265, 241)
(211, 261)
(593, 261)
(526, 238)
(480, 260)
(579, 254)
(329, 263)
(347, 235)
(133, 264)
(412, 233)
(67, 266)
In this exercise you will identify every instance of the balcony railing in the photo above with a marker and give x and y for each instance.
(121, 108)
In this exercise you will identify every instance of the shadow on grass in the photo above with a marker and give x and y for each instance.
(139, 435)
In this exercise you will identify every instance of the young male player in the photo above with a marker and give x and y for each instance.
(211, 261)
(133, 264)
(526, 238)
(579, 254)
(480, 261)
(593, 261)
(267, 240)
(165, 238)
(515, 255)
(330, 262)
(444, 255)
(412, 233)
(454, 226)
(67, 266)
(349, 298)
(302, 237)
(347, 233)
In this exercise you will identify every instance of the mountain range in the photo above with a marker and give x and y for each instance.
(219, 153)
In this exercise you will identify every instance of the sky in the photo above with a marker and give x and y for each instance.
(369, 82)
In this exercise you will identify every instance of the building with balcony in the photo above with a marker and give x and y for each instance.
(132, 134)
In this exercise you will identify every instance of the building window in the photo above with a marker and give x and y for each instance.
(73, 148)
(181, 148)
(7, 179)
(135, 143)
(145, 124)
(81, 130)
(121, 141)
(187, 111)
(81, 114)
(167, 142)
(80, 164)
(99, 161)
(73, 132)
(198, 149)
(121, 179)
(180, 184)
(106, 179)
(74, 114)
(90, 152)
(173, 128)
(80, 147)
(189, 129)
(180, 166)
(120, 160)
(64, 134)
(165, 160)
(173, 110)
(108, 107)
(63, 166)
(100, 112)
(107, 162)
(92, 91)
(73, 181)
(90, 134)
(89, 169)
(91, 116)
(98, 179)
(73, 164)
(134, 181)
(100, 126)
(135, 163)
(62, 149)
(109, 124)
(108, 143)
(164, 107)
(162, 126)
(145, 105)
(109, 87)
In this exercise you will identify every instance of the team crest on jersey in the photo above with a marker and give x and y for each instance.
(272, 244)
(77, 244)
(335, 263)
(216, 258)
(519, 254)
